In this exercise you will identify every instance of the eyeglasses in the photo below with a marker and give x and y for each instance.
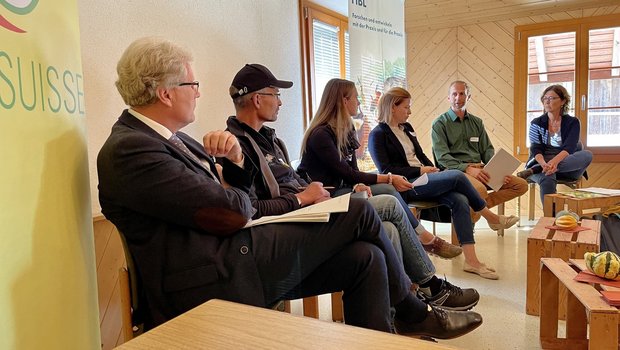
(274, 94)
(549, 98)
(194, 84)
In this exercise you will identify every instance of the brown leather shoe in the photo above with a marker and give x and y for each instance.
(442, 249)
(441, 324)
(524, 174)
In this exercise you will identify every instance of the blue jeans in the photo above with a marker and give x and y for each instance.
(378, 189)
(570, 168)
(416, 262)
(452, 189)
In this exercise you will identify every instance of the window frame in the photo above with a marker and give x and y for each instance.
(308, 11)
(581, 27)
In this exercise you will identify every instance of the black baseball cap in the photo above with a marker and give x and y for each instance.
(253, 77)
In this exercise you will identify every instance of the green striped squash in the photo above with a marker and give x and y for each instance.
(603, 264)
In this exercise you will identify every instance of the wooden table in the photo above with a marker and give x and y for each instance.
(589, 203)
(585, 306)
(219, 324)
(545, 243)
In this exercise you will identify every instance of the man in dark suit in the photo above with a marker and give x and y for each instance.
(184, 219)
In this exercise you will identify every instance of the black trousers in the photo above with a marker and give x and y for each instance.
(350, 253)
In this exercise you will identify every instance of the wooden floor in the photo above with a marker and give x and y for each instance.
(110, 257)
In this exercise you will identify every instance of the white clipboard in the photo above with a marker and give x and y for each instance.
(501, 165)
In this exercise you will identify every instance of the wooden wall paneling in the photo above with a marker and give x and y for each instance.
(433, 106)
(485, 92)
(434, 74)
(496, 69)
(434, 58)
(560, 16)
(576, 13)
(503, 37)
(436, 64)
(601, 11)
(485, 60)
(478, 37)
(425, 15)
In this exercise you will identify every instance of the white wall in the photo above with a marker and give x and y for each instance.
(222, 34)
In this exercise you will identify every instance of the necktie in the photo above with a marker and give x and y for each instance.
(180, 145)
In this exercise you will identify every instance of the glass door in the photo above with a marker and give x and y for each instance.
(551, 60)
(603, 97)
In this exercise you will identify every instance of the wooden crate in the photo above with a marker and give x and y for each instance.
(585, 306)
(545, 243)
(556, 202)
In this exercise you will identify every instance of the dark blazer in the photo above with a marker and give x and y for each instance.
(539, 136)
(321, 161)
(388, 153)
(182, 227)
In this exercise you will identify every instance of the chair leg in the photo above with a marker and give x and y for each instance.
(311, 306)
(337, 308)
(455, 239)
(532, 202)
(519, 211)
(500, 211)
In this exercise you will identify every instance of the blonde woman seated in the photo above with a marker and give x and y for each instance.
(395, 149)
(328, 156)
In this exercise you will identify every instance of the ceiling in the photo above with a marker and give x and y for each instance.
(421, 15)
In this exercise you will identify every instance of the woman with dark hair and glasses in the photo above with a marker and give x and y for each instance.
(555, 150)
(328, 155)
(394, 148)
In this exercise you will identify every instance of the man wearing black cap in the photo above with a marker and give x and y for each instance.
(185, 230)
(255, 93)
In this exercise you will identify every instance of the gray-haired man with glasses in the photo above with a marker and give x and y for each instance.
(186, 231)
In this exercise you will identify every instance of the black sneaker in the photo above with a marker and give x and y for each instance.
(451, 297)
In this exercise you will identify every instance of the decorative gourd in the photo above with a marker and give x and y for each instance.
(567, 212)
(604, 264)
(566, 221)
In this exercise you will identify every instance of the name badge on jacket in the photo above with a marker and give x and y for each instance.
(474, 139)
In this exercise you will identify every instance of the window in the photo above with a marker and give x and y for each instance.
(582, 55)
(325, 52)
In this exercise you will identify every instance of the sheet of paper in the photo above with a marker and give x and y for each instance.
(599, 190)
(501, 165)
(314, 213)
(588, 277)
(420, 181)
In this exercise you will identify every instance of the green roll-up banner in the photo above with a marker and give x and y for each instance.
(48, 295)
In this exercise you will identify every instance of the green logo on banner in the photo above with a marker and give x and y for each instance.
(19, 7)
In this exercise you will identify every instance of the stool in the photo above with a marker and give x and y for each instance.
(585, 305)
(543, 243)
(580, 203)
(531, 196)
